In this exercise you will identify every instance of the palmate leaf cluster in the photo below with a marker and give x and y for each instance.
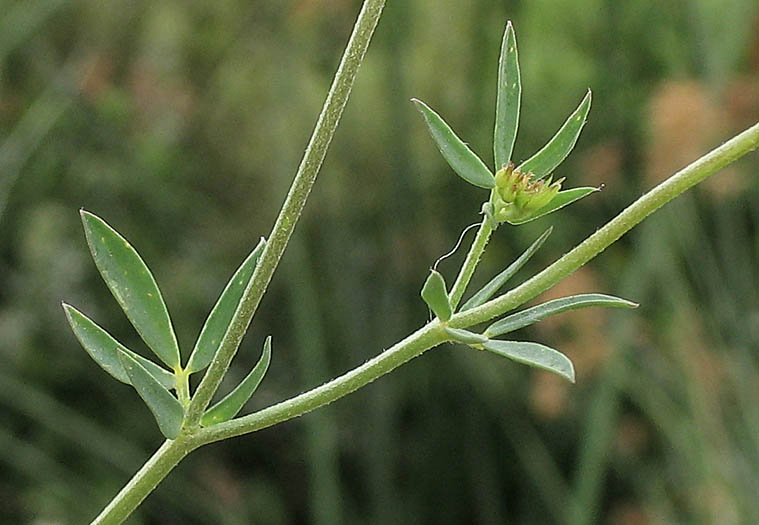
(529, 195)
(136, 291)
(519, 194)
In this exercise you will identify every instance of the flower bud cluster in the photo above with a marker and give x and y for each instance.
(517, 195)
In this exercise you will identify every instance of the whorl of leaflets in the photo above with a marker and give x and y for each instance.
(136, 291)
(519, 193)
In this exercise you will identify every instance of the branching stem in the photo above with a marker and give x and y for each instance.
(283, 228)
(167, 457)
(431, 335)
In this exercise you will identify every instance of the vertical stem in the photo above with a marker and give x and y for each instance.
(470, 263)
(283, 228)
(172, 452)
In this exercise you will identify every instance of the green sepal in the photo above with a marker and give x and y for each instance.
(556, 306)
(133, 286)
(218, 320)
(495, 284)
(461, 159)
(508, 99)
(435, 294)
(552, 154)
(103, 349)
(166, 409)
(534, 354)
(563, 198)
(233, 402)
(465, 336)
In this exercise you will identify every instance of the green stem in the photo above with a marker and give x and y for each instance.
(183, 387)
(431, 335)
(169, 455)
(470, 263)
(292, 207)
(145, 480)
(657, 197)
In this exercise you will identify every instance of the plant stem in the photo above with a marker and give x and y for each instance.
(431, 335)
(470, 263)
(183, 387)
(657, 197)
(171, 452)
(145, 480)
(292, 207)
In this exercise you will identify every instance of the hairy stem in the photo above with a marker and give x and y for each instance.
(145, 480)
(657, 197)
(169, 455)
(292, 207)
(431, 335)
(470, 263)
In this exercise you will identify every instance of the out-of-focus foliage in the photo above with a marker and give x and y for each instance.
(182, 123)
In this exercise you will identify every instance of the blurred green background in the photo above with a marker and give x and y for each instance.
(182, 122)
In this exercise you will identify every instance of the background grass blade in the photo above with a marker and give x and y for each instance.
(435, 294)
(495, 284)
(552, 154)
(133, 286)
(166, 409)
(103, 349)
(563, 198)
(218, 320)
(534, 354)
(557, 306)
(233, 402)
(458, 155)
(508, 99)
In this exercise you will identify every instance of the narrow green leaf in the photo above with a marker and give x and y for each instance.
(218, 320)
(103, 349)
(435, 294)
(534, 354)
(166, 409)
(563, 198)
(233, 402)
(133, 286)
(508, 99)
(495, 284)
(557, 306)
(552, 154)
(465, 336)
(458, 155)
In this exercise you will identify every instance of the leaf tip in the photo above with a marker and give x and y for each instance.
(267, 348)
(587, 100)
(68, 310)
(421, 107)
